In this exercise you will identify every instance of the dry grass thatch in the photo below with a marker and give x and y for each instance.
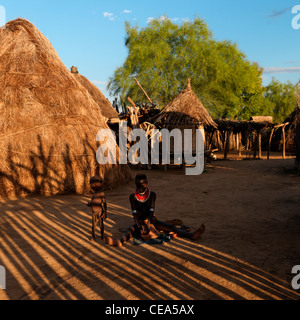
(106, 108)
(48, 120)
(186, 109)
(294, 120)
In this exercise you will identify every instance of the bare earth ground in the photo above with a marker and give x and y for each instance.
(251, 210)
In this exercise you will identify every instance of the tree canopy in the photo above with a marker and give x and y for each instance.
(282, 98)
(163, 55)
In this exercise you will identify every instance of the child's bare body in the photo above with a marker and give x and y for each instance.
(98, 206)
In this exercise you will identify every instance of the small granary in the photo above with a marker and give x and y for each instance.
(186, 112)
(48, 120)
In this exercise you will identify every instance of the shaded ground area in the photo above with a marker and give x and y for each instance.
(251, 210)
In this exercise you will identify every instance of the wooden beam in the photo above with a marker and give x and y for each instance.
(227, 143)
(270, 142)
(131, 102)
(281, 125)
(283, 142)
(259, 143)
(254, 144)
(262, 119)
(239, 137)
(145, 93)
(134, 114)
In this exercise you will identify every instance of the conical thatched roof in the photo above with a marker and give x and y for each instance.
(48, 120)
(186, 109)
(105, 106)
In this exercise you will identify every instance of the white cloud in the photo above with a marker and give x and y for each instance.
(109, 15)
(100, 83)
(126, 11)
(162, 18)
(274, 70)
(150, 19)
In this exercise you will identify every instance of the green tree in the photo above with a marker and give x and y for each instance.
(164, 55)
(282, 98)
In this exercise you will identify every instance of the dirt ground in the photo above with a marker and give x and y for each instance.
(251, 210)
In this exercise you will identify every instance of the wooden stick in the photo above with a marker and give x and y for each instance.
(254, 144)
(227, 135)
(283, 143)
(259, 144)
(131, 102)
(145, 93)
(240, 143)
(270, 141)
(281, 125)
(134, 114)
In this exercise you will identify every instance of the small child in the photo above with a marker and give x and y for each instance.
(98, 206)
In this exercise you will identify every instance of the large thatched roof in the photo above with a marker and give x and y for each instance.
(48, 120)
(106, 108)
(186, 109)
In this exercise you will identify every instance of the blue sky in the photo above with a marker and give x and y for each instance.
(90, 34)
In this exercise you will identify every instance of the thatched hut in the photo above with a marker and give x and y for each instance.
(293, 134)
(105, 106)
(286, 141)
(186, 110)
(48, 120)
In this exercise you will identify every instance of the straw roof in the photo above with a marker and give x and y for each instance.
(106, 108)
(186, 109)
(294, 120)
(48, 120)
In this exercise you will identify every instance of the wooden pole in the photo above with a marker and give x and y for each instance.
(218, 139)
(227, 141)
(240, 143)
(254, 144)
(131, 102)
(259, 143)
(145, 93)
(283, 143)
(134, 114)
(237, 141)
(270, 141)
(247, 139)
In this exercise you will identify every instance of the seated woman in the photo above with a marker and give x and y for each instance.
(143, 210)
(147, 226)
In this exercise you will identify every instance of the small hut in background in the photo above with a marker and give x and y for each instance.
(292, 140)
(186, 112)
(107, 110)
(49, 121)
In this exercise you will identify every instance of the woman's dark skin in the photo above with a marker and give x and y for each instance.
(143, 210)
(143, 213)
